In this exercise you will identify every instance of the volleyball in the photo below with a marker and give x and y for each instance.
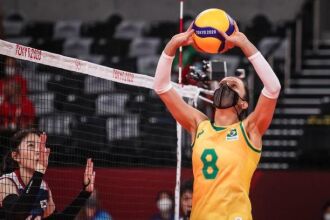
(207, 25)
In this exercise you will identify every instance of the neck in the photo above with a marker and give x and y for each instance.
(26, 174)
(225, 117)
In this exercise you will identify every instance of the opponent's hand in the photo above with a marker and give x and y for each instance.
(43, 154)
(237, 39)
(89, 176)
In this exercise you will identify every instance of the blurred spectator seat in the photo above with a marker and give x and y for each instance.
(268, 44)
(111, 104)
(43, 102)
(102, 29)
(37, 30)
(13, 28)
(123, 127)
(98, 59)
(90, 132)
(37, 82)
(26, 41)
(75, 47)
(93, 30)
(59, 124)
(147, 65)
(67, 29)
(144, 47)
(67, 82)
(79, 104)
(163, 30)
(130, 29)
(126, 64)
(111, 47)
(281, 50)
(50, 45)
(95, 85)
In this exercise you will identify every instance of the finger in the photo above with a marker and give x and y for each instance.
(236, 27)
(223, 34)
(190, 41)
(42, 141)
(47, 152)
(93, 181)
(87, 164)
(89, 167)
(224, 50)
(191, 26)
(190, 32)
(93, 177)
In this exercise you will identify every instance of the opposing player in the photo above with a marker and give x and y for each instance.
(23, 192)
(226, 149)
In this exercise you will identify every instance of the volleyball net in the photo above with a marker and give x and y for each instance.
(94, 111)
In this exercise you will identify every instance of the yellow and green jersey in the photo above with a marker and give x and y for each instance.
(224, 161)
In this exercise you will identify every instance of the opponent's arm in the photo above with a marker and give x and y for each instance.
(185, 114)
(73, 209)
(263, 113)
(19, 206)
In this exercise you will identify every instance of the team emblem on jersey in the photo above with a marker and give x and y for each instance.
(232, 135)
(43, 204)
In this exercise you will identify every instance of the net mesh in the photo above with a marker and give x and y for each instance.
(91, 111)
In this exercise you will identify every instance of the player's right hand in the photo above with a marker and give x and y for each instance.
(184, 38)
(43, 154)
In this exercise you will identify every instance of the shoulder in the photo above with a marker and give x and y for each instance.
(7, 187)
(8, 180)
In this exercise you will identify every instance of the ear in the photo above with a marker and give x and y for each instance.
(244, 105)
(14, 155)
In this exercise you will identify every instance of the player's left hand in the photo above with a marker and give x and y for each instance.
(89, 176)
(237, 39)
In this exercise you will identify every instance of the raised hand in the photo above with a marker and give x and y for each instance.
(178, 40)
(43, 154)
(237, 39)
(89, 176)
(184, 38)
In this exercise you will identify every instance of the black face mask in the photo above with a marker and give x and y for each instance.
(225, 97)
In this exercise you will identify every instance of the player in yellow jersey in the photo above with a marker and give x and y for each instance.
(227, 149)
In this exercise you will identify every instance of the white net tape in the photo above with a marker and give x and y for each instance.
(80, 66)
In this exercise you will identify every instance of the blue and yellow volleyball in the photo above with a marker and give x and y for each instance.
(207, 25)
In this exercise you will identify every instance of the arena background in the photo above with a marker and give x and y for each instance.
(293, 178)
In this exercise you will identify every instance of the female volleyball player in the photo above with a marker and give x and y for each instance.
(23, 193)
(227, 149)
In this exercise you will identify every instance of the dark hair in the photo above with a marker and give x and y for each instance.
(244, 112)
(187, 186)
(8, 163)
(170, 195)
(326, 206)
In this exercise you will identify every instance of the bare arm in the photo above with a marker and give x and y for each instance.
(186, 115)
(262, 115)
